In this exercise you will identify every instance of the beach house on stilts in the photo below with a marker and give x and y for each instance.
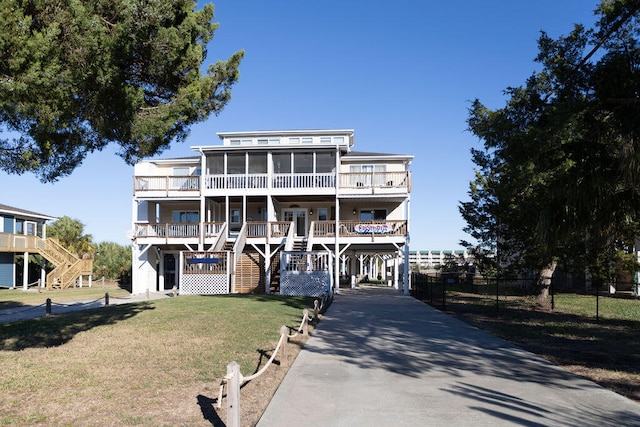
(24, 233)
(297, 212)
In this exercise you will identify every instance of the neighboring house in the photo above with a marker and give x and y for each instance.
(23, 233)
(433, 259)
(271, 212)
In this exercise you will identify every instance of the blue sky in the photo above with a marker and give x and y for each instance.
(401, 74)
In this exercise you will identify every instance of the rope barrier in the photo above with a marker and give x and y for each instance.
(284, 336)
(78, 303)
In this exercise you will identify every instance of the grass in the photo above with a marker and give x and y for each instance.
(12, 298)
(155, 363)
(605, 350)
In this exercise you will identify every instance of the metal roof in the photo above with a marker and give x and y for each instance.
(6, 209)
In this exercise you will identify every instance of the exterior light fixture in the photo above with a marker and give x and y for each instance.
(355, 211)
(311, 211)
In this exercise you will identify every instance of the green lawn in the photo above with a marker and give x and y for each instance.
(10, 298)
(605, 349)
(153, 363)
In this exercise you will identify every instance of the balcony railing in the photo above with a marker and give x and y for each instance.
(360, 228)
(166, 183)
(303, 180)
(177, 229)
(276, 229)
(226, 182)
(386, 181)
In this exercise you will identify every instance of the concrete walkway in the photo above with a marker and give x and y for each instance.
(31, 312)
(379, 358)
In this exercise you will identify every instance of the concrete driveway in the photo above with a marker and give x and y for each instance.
(379, 358)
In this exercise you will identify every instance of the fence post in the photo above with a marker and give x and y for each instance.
(48, 310)
(305, 324)
(106, 299)
(284, 331)
(233, 394)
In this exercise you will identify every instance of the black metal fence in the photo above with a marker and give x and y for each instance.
(432, 288)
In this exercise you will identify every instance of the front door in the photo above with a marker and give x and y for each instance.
(299, 217)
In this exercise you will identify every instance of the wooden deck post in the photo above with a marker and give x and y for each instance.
(284, 331)
(233, 395)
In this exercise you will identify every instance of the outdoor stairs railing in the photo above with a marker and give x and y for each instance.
(68, 267)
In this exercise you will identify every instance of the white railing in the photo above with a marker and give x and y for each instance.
(355, 228)
(284, 181)
(212, 229)
(257, 229)
(280, 228)
(304, 180)
(224, 182)
(165, 230)
(390, 180)
(166, 183)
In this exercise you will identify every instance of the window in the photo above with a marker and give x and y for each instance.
(246, 142)
(257, 162)
(322, 214)
(303, 162)
(325, 162)
(281, 163)
(338, 139)
(181, 171)
(235, 216)
(235, 164)
(294, 140)
(325, 140)
(307, 140)
(234, 142)
(361, 175)
(31, 228)
(215, 164)
(263, 141)
(185, 216)
(373, 214)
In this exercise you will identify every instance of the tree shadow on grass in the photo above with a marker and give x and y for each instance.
(59, 329)
(299, 302)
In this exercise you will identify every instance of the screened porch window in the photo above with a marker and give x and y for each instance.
(185, 216)
(373, 215)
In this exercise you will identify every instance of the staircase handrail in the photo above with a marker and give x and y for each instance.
(238, 246)
(55, 252)
(221, 239)
(290, 238)
(310, 237)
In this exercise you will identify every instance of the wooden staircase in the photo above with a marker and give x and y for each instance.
(275, 272)
(299, 245)
(68, 267)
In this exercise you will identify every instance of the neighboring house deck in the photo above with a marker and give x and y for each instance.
(262, 194)
(23, 233)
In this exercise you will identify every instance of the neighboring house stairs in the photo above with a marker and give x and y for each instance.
(67, 266)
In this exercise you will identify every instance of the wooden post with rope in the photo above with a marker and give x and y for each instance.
(233, 394)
